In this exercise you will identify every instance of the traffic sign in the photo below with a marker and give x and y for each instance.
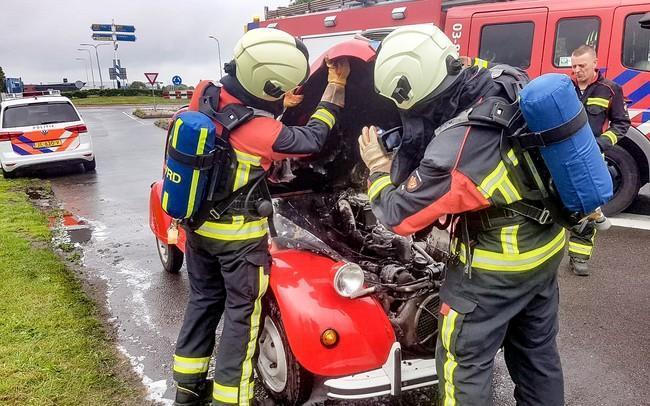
(101, 27)
(102, 37)
(124, 28)
(176, 80)
(151, 77)
(125, 37)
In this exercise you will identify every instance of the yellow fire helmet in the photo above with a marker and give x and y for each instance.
(270, 62)
(415, 63)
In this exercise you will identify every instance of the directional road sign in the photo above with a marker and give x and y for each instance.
(151, 77)
(124, 28)
(125, 37)
(176, 80)
(102, 37)
(101, 27)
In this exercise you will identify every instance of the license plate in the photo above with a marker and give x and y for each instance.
(48, 144)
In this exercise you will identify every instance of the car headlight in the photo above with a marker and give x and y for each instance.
(348, 279)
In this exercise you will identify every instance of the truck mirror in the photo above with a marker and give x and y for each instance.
(645, 21)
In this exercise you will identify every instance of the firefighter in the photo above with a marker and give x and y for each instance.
(501, 288)
(228, 258)
(608, 119)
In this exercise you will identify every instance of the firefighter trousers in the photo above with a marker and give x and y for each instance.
(484, 310)
(581, 245)
(226, 278)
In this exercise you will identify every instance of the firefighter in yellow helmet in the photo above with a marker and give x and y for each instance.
(227, 256)
(501, 284)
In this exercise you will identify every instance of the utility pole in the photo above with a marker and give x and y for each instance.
(219, 52)
(101, 81)
(90, 62)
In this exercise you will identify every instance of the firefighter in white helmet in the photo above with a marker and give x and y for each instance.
(228, 258)
(501, 285)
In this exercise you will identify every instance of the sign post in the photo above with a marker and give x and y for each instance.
(151, 77)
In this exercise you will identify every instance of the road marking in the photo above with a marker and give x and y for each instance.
(631, 221)
(132, 118)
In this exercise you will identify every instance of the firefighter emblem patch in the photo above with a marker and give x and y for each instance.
(414, 182)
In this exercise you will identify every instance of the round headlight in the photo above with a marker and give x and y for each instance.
(348, 279)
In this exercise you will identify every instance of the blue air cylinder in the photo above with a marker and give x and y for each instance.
(576, 165)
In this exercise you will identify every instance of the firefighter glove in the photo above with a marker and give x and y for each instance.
(291, 99)
(371, 152)
(337, 71)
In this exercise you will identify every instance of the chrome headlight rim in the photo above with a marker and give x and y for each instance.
(346, 274)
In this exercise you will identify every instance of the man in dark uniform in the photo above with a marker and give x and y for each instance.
(228, 258)
(608, 119)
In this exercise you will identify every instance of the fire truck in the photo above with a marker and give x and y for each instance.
(536, 35)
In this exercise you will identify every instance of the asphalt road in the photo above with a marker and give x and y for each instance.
(604, 318)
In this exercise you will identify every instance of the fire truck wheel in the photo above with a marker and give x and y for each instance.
(90, 166)
(285, 380)
(171, 256)
(625, 176)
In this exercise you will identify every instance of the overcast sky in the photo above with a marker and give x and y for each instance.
(39, 38)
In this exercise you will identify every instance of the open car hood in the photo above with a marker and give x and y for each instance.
(338, 166)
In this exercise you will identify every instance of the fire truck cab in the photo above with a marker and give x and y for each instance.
(536, 35)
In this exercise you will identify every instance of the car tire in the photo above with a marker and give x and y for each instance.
(9, 175)
(170, 256)
(626, 178)
(285, 380)
(89, 166)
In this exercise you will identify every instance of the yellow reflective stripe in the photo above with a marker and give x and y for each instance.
(235, 231)
(498, 261)
(480, 63)
(186, 365)
(580, 248)
(225, 394)
(377, 186)
(245, 157)
(612, 137)
(508, 190)
(513, 158)
(597, 101)
(509, 239)
(195, 173)
(448, 325)
(247, 366)
(177, 127)
(498, 179)
(241, 175)
(165, 199)
(325, 116)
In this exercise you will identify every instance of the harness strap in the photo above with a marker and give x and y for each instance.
(554, 135)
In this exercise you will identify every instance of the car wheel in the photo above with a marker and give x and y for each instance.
(9, 175)
(625, 177)
(171, 256)
(285, 380)
(89, 166)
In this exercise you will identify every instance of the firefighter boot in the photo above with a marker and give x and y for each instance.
(194, 394)
(579, 266)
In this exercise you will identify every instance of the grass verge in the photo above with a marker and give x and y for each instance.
(122, 100)
(53, 347)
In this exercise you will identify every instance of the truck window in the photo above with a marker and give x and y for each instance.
(636, 44)
(570, 34)
(510, 43)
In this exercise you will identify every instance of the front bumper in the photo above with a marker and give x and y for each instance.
(393, 378)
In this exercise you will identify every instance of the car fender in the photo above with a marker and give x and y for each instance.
(159, 221)
(301, 282)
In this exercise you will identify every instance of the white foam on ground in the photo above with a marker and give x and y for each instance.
(631, 221)
(155, 389)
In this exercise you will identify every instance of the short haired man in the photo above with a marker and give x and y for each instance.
(608, 119)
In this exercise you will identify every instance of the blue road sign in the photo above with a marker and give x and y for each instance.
(102, 37)
(176, 80)
(101, 27)
(125, 37)
(124, 28)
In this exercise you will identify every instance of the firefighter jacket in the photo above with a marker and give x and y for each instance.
(465, 169)
(256, 144)
(606, 109)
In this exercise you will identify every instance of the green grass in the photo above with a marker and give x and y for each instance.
(53, 348)
(117, 100)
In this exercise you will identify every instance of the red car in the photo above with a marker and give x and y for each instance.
(348, 300)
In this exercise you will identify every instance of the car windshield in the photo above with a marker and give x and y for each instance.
(38, 114)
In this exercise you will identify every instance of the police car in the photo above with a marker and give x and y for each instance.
(41, 129)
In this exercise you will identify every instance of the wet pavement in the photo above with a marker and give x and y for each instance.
(604, 318)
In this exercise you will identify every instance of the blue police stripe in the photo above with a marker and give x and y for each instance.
(626, 76)
(639, 93)
(25, 140)
(19, 150)
(645, 116)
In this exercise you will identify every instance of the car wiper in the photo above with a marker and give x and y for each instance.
(51, 122)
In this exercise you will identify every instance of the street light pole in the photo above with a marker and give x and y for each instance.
(85, 66)
(101, 81)
(90, 62)
(219, 52)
